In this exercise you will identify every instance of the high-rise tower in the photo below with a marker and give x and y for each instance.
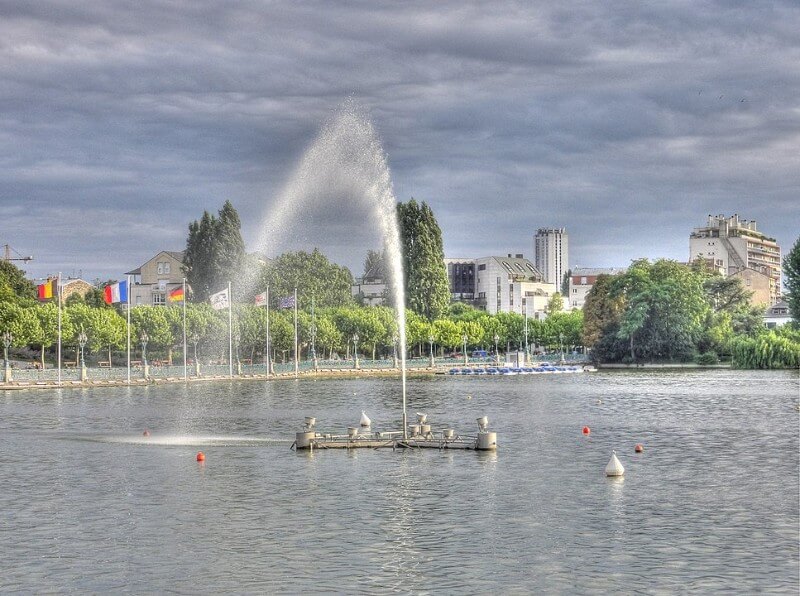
(551, 249)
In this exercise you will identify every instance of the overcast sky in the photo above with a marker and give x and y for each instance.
(122, 121)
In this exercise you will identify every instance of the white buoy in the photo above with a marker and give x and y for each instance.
(614, 467)
(365, 421)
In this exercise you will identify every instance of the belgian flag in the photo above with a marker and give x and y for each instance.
(48, 290)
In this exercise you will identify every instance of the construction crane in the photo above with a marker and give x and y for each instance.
(7, 250)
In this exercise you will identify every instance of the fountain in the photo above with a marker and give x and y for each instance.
(347, 158)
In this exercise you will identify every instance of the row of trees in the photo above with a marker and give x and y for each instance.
(329, 331)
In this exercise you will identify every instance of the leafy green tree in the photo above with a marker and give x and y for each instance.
(108, 329)
(426, 285)
(726, 294)
(313, 275)
(665, 308)
(281, 331)
(566, 327)
(153, 321)
(252, 326)
(328, 335)
(13, 285)
(418, 332)
(791, 271)
(214, 252)
(473, 330)
(601, 311)
(554, 305)
(22, 323)
(48, 321)
(447, 333)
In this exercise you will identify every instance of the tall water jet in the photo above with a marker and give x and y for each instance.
(347, 159)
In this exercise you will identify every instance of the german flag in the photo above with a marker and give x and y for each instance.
(48, 290)
(176, 295)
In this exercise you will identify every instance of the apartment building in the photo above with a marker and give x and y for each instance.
(581, 282)
(734, 245)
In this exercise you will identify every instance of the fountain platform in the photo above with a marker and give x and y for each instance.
(418, 436)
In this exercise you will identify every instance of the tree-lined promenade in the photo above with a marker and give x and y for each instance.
(659, 311)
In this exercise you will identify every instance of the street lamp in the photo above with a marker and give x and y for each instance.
(7, 339)
(313, 330)
(464, 339)
(496, 353)
(355, 345)
(430, 341)
(144, 339)
(561, 344)
(527, 346)
(195, 339)
(82, 339)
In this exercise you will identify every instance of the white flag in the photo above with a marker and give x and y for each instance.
(261, 299)
(220, 300)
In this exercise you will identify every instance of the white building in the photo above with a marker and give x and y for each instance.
(777, 315)
(511, 284)
(551, 254)
(733, 245)
(581, 282)
(372, 292)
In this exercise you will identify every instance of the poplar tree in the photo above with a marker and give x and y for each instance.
(426, 284)
(214, 252)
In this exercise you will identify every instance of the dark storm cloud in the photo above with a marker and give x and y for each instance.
(627, 124)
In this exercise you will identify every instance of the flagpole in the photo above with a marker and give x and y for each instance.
(269, 356)
(59, 329)
(185, 369)
(230, 332)
(129, 329)
(296, 355)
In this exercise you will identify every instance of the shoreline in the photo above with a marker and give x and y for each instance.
(284, 376)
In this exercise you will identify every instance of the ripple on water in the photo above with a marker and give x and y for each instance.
(711, 505)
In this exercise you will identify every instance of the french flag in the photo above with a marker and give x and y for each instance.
(117, 292)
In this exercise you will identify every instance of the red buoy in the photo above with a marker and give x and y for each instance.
(201, 456)
(586, 430)
(146, 433)
(639, 448)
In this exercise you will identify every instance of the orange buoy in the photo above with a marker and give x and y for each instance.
(146, 433)
(586, 430)
(201, 456)
(639, 448)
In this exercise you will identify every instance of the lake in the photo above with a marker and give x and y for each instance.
(90, 504)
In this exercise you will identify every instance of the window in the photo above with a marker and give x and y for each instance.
(507, 266)
(159, 299)
(519, 267)
(166, 268)
(160, 268)
(482, 267)
(583, 281)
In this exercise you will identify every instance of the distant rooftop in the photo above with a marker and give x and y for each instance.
(591, 271)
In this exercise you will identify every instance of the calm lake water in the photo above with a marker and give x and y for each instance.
(88, 504)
